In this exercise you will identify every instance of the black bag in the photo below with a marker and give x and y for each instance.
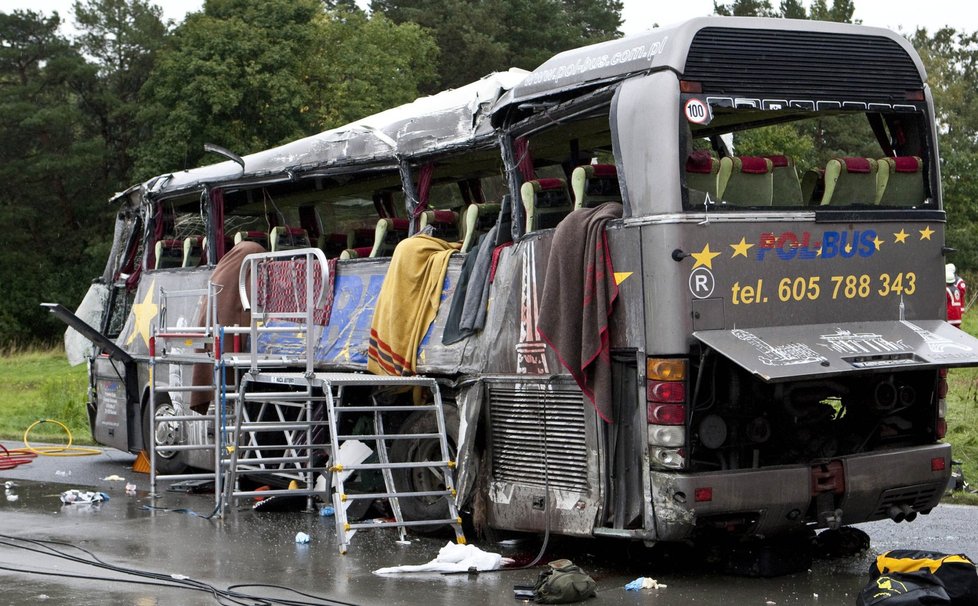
(904, 590)
(563, 582)
(920, 572)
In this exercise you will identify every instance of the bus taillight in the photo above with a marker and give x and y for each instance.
(665, 394)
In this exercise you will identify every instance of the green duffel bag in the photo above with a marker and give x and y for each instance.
(563, 582)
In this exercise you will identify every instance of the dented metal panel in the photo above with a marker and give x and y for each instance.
(825, 350)
(544, 457)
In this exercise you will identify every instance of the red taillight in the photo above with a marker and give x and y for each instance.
(689, 86)
(941, 429)
(702, 495)
(666, 414)
(665, 391)
(938, 464)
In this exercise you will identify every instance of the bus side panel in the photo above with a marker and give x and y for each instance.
(118, 416)
(346, 337)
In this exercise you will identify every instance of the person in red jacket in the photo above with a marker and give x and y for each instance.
(955, 288)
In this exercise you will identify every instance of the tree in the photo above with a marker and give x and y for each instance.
(51, 167)
(744, 8)
(122, 37)
(841, 10)
(252, 74)
(951, 60)
(476, 38)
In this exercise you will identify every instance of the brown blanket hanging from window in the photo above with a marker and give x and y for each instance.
(580, 276)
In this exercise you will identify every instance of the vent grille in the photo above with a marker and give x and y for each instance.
(801, 65)
(919, 497)
(539, 436)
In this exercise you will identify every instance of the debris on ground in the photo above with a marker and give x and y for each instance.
(82, 497)
(454, 558)
(644, 583)
(301, 538)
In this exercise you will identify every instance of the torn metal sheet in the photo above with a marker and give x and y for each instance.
(780, 353)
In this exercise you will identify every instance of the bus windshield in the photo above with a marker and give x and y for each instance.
(794, 159)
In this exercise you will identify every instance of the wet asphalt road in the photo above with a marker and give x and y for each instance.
(136, 531)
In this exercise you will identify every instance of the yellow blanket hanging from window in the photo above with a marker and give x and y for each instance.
(407, 304)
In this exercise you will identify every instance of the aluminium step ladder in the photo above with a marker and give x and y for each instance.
(275, 434)
(304, 407)
(174, 428)
(331, 389)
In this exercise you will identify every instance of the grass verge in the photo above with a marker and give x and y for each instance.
(41, 385)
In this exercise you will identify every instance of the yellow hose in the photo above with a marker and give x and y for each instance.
(57, 451)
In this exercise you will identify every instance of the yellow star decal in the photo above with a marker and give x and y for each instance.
(621, 276)
(901, 237)
(704, 257)
(926, 232)
(848, 248)
(740, 249)
(877, 242)
(144, 313)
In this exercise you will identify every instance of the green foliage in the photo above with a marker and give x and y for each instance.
(40, 385)
(361, 66)
(53, 167)
(781, 137)
(962, 410)
(122, 37)
(249, 75)
(951, 60)
(840, 11)
(476, 38)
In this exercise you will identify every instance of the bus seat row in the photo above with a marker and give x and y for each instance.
(773, 180)
(175, 252)
(889, 181)
(547, 201)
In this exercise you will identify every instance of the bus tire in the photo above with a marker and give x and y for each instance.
(422, 478)
(167, 462)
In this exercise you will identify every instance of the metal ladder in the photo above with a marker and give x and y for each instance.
(284, 414)
(329, 389)
(168, 345)
(295, 399)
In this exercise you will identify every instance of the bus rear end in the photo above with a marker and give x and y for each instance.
(795, 337)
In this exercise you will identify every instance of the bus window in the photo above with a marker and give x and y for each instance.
(555, 153)
(793, 159)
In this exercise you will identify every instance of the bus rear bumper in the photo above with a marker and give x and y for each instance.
(769, 501)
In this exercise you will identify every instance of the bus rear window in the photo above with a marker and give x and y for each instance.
(795, 159)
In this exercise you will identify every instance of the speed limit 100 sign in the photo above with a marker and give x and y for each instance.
(696, 111)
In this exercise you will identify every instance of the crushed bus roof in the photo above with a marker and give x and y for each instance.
(449, 118)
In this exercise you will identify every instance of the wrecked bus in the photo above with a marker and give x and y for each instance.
(748, 212)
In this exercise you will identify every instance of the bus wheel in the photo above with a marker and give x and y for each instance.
(164, 433)
(423, 478)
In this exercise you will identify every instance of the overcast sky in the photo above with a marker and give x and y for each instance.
(640, 15)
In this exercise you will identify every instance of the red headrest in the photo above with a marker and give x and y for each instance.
(400, 224)
(700, 162)
(857, 165)
(445, 216)
(547, 184)
(753, 165)
(906, 164)
(604, 170)
(778, 161)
